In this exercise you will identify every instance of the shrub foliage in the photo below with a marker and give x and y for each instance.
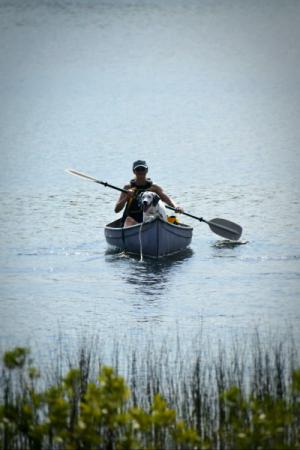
(76, 413)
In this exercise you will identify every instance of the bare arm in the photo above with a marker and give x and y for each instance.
(123, 198)
(164, 197)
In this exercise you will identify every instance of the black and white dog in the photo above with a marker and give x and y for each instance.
(152, 206)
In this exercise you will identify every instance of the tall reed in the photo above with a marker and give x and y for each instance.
(245, 396)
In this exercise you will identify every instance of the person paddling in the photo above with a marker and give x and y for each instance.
(133, 213)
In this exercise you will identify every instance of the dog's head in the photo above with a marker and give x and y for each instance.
(148, 199)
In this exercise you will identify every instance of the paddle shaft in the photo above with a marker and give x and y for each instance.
(187, 214)
(221, 227)
(167, 206)
(198, 218)
(104, 183)
(88, 177)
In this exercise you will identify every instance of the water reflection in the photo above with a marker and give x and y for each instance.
(151, 276)
(227, 249)
(225, 243)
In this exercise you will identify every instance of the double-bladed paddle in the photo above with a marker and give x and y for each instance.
(222, 227)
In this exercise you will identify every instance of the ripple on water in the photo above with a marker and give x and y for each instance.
(228, 244)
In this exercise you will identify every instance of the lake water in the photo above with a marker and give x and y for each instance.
(208, 93)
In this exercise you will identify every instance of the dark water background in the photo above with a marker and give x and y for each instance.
(208, 93)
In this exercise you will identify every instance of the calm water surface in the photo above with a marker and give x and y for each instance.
(208, 93)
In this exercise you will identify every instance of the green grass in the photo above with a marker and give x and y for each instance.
(246, 399)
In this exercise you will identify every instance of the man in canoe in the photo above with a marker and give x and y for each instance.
(133, 213)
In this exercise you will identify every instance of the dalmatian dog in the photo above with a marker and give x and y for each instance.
(152, 206)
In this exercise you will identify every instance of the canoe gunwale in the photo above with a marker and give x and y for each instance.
(181, 226)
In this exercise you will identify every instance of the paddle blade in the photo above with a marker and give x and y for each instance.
(80, 174)
(225, 228)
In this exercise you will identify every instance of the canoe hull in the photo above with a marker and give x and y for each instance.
(158, 238)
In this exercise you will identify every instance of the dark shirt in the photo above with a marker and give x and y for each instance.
(133, 207)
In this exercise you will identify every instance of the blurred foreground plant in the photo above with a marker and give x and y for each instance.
(72, 414)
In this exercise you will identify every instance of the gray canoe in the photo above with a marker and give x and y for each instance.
(158, 238)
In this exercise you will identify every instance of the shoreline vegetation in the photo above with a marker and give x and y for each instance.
(249, 399)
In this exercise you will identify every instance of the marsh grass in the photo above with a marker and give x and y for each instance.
(245, 396)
